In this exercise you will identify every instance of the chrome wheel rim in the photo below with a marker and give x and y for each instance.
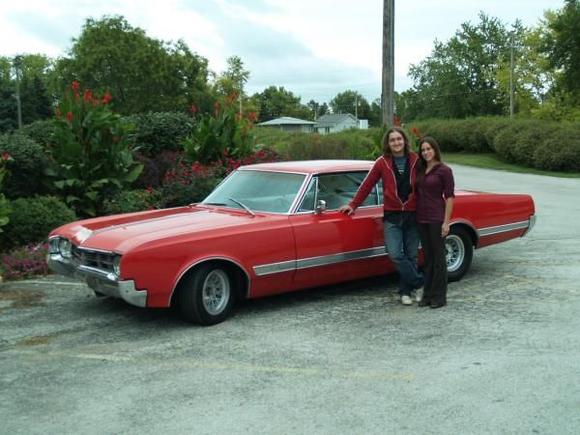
(216, 292)
(454, 252)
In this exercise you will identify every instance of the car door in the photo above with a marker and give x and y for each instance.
(331, 246)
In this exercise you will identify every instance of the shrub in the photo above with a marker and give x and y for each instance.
(188, 183)
(25, 262)
(154, 169)
(33, 218)
(27, 168)
(560, 151)
(5, 208)
(41, 132)
(158, 132)
(132, 200)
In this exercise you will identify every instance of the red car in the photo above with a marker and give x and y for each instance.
(266, 229)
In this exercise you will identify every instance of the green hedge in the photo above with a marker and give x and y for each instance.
(546, 145)
(348, 144)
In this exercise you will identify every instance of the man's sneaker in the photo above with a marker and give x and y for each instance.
(419, 295)
(406, 300)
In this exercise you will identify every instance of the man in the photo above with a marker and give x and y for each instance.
(397, 168)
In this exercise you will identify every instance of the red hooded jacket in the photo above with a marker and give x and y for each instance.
(383, 169)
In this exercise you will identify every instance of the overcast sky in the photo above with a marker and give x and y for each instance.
(314, 48)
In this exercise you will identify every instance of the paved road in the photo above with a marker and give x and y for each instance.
(503, 357)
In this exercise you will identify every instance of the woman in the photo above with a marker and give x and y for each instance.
(435, 193)
(397, 168)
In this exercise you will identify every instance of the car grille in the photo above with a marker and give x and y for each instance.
(95, 259)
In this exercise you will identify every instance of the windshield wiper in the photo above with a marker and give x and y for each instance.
(244, 206)
(214, 203)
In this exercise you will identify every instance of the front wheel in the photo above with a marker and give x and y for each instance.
(206, 296)
(458, 253)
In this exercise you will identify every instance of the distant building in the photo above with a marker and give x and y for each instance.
(293, 125)
(333, 123)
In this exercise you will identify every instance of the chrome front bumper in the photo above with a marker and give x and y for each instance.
(100, 281)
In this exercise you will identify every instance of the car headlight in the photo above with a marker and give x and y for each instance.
(65, 248)
(117, 265)
(53, 245)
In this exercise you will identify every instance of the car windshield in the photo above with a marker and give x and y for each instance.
(257, 191)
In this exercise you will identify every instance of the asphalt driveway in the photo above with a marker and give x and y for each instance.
(502, 357)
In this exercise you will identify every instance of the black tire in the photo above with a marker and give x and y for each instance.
(206, 296)
(458, 253)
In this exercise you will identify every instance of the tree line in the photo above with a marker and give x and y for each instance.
(474, 73)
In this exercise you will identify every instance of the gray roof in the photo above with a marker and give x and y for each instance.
(330, 120)
(286, 120)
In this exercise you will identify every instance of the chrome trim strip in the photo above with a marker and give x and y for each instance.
(503, 228)
(324, 260)
(87, 270)
(102, 251)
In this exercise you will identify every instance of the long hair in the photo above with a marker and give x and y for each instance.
(385, 141)
(422, 167)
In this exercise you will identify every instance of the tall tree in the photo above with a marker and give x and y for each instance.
(142, 73)
(561, 43)
(459, 78)
(351, 102)
(274, 102)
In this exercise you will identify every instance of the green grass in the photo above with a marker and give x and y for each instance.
(491, 161)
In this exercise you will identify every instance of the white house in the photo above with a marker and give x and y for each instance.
(293, 125)
(333, 123)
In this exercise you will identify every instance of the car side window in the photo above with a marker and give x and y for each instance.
(336, 190)
(309, 197)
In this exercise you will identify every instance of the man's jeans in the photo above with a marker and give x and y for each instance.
(402, 243)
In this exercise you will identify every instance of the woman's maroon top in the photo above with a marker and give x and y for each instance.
(432, 191)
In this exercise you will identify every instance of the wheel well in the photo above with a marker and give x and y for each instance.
(238, 275)
(469, 230)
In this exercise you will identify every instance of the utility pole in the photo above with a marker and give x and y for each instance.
(512, 75)
(241, 93)
(388, 88)
(17, 65)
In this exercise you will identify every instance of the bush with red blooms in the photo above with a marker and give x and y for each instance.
(24, 262)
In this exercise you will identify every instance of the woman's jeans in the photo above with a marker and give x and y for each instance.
(402, 243)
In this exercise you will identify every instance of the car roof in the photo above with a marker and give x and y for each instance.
(313, 166)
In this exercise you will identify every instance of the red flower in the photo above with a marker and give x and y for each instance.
(75, 86)
(193, 109)
(416, 132)
(5, 156)
(88, 96)
(252, 116)
(107, 98)
(149, 190)
(69, 116)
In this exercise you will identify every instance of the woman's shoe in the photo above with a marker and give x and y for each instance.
(424, 303)
(438, 304)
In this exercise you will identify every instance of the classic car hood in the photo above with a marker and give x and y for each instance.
(196, 222)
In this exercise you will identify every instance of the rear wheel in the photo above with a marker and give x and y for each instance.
(206, 296)
(458, 252)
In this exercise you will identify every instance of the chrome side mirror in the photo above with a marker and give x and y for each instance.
(320, 206)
